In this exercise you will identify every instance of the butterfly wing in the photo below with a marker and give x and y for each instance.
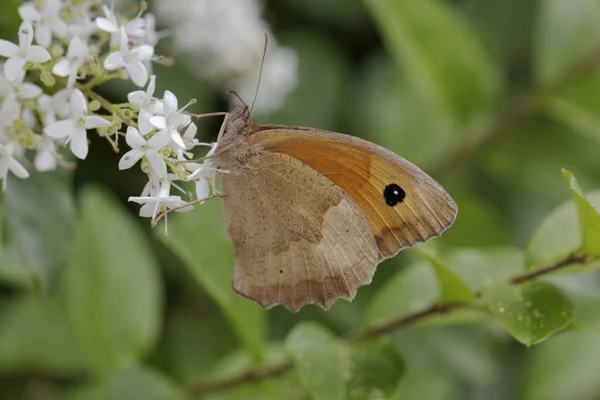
(298, 238)
(402, 204)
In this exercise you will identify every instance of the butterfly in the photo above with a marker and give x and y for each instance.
(311, 213)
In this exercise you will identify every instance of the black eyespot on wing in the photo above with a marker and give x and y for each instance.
(393, 194)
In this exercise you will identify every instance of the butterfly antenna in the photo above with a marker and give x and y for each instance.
(233, 92)
(262, 64)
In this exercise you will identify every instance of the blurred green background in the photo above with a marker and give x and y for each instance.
(493, 97)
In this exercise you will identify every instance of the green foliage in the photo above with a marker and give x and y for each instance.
(459, 79)
(531, 312)
(589, 219)
(453, 289)
(200, 256)
(321, 361)
(110, 269)
(376, 370)
(94, 307)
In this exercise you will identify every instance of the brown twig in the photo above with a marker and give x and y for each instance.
(254, 375)
(522, 109)
(378, 330)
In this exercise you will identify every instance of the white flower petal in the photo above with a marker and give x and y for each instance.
(147, 210)
(190, 131)
(159, 140)
(106, 25)
(114, 61)
(144, 122)
(37, 54)
(151, 87)
(143, 52)
(13, 69)
(130, 158)
(124, 45)
(29, 91)
(17, 169)
(76, 48)
(62, 68)
(25, 36)
(159, 122)
(133, 138)
(45, 161)
(176, 138)
(43, 35)
(61, 129)
(28, 13)
(157, 163)
(95, 121)
(136, 98)
(177, 119)
(79, 143)
(60, 28)
(137, 72)
(78, 104)
(8, 49)
(202, 189)
(169, 102)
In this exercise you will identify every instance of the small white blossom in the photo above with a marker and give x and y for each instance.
(8, 163)
(172, 120)
(150, 149)
(160, 201)
(54, 107)
(151, 37)
(45, 156)
(131, 59)
(204, 174)
(146, 104)
(109, 23)
(19, 55)
(69, 65)
(46, 21)
(18, 90)
(75, 128)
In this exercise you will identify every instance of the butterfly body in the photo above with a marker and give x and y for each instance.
(311, 213)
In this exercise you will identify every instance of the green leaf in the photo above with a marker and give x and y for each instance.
(577, 117)
(35, 336)
(411, 289)
(112, 286)
(440, 54)
(477, 265)
(199, 240)
(470, 353)
(453, 289)
(283, 386)
(558, 235)
(320, 359)
(530, 312)
(589, 219)
(565, 367)
(376, 371)
(132, 383)
(429, 384)
(41, 227)
(566, 33)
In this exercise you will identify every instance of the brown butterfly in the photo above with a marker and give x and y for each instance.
(311, 213)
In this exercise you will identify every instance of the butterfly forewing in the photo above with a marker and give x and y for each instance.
(402, 204)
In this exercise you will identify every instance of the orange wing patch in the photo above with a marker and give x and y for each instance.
(364, 170)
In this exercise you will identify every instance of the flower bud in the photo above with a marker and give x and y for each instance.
(48, 79)
(94, 105)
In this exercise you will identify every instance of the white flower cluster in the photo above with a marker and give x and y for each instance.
(47, 99)
(227, 38)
